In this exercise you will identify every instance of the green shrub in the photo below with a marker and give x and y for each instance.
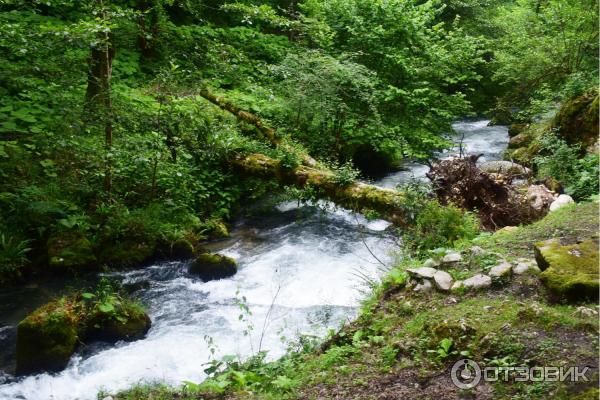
(561, 161)
(440, 226)
(13, 256)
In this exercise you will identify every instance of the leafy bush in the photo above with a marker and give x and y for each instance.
(561, 161)
(13, 255)
(440, 226)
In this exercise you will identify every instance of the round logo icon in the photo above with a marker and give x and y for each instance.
(465, 374)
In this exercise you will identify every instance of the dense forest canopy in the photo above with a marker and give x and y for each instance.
(103, 131)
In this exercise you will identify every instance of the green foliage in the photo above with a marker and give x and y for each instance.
(13, 256)
(438, 226)
(344, 174)
(563, 162)
(545, 51)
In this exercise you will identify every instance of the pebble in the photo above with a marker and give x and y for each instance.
(523, 267)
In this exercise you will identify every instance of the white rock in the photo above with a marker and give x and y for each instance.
(525, 266)
(477, 251)
(431, 263)
(451, 258)
(443, 280)
(586, 311)
(561, 201)
(423, 272)
(478, 281)
(107, 398)
(501, 270)
(423, 287)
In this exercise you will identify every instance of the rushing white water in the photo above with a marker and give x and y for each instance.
(306, 267)
(479, 138)
(300, 273)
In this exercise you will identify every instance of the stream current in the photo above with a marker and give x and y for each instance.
(302, 270)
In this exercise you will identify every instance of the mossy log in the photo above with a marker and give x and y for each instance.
(267, 132)
(355, 196)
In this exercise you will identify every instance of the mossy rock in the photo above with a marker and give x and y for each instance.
(577, 119)
(180, 249)
(128, 323)
(213, 266)
(569, 272)
(128, 253)
(47, 338)
(70, 250)
(517, 129)
(519, 140)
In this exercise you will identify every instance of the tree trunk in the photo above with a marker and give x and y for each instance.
(148, 27)
(354, 196)
(98, 94)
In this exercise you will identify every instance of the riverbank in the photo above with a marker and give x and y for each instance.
(405, 342)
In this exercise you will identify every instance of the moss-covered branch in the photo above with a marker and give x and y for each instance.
(354, 196)
(268, 132)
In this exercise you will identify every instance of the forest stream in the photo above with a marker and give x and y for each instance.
(302, 271)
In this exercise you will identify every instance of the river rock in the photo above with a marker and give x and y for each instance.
(569, 271)
(505, 168)
(561, 201)
(423, 287)
(70, 250)
(213, 266)
(501, 270)
(478, 281)
(451, 258)
(45, 340)
(524, 266)
(477, 251)
(539, 197)
(422, 272)
(443, 281)
(520, 140)
(431, 263)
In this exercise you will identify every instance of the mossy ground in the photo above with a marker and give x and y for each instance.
(395, 350)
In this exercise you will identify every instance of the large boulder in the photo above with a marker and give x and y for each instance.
(213, 266)
(129, 323)
(128, 252)
(522, 139)
(577, 119)
(47, 338)
(569, 271)
(70, 250)
(517, 129)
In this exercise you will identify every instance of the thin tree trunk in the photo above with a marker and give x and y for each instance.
(98, 96)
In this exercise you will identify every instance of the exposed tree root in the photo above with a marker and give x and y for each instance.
(496, 201)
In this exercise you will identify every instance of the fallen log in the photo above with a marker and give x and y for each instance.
(354, 196)
(267, 132)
